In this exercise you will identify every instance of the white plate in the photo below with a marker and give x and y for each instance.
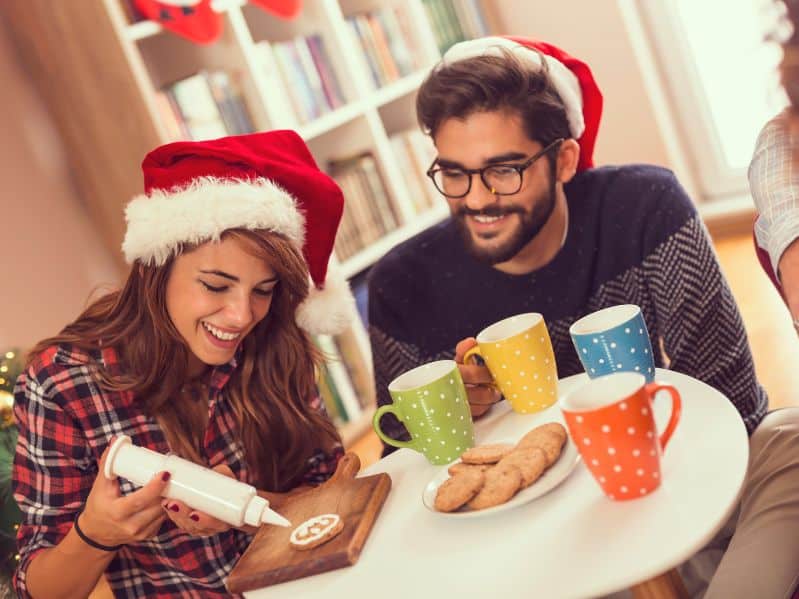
(556, 474)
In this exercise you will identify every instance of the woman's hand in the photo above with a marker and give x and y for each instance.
(478, 380)
(112, 519)
(195, 522)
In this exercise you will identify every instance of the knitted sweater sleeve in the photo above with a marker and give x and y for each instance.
(391, 356)
(697, 320)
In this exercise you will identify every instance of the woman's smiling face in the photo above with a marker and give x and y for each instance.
(215, 296)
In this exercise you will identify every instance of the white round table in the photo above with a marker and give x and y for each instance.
(572, 542)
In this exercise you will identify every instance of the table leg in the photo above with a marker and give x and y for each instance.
(668, 585)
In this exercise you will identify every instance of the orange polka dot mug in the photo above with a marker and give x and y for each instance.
(610, 421)
(518, 353)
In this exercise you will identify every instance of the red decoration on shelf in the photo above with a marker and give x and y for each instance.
(285, 9)
(194, 20)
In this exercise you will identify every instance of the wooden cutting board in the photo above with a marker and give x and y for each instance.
(270, 559)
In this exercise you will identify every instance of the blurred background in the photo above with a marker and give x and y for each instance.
(89, 86)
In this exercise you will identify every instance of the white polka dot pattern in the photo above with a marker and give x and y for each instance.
(624, 347)
(620, 444)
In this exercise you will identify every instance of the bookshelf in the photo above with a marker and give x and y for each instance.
(343, 74)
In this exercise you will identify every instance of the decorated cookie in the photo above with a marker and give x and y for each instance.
(457, 490)
(315, 531)
(486, 454)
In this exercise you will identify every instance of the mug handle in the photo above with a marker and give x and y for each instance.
(385, 438)
(676, 409)
(474, 351)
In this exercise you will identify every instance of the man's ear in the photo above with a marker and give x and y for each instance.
(568, 157)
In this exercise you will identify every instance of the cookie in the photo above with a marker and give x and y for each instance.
(461, 467)
(457, 490)
(531, 462)
(486, 454)
(315, 531)
(549, 437)
(501, 483)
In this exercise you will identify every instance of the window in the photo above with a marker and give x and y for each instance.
(721, 76)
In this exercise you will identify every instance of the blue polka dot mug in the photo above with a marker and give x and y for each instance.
(612, 340)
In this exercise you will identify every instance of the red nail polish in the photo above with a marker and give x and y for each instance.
(174, 507)
(166, 476)
(194, 517)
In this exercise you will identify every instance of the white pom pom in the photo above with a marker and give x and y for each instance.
(327, 311)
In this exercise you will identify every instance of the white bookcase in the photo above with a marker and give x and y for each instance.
(84, 38)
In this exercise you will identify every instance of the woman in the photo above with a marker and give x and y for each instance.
(201, 354)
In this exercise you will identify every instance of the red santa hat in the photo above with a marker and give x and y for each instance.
(571, 78)
(194, 191)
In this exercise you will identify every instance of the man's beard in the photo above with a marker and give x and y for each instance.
(531, 224)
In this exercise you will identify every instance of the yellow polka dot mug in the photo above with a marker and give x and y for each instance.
(431, 402)
(518, 352)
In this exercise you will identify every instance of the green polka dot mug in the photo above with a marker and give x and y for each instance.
(431, 402)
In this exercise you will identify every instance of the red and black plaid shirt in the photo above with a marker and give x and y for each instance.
(65, 423)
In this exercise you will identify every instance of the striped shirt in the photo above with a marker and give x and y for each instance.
(774, 182)
(65, 423)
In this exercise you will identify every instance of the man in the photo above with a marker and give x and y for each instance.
(534, 227)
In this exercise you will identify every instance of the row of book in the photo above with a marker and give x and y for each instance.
(387, 41)
(345, 382)
(369, 212)
(308, 76)
(414, 152)
(455, 20)
(206, 105)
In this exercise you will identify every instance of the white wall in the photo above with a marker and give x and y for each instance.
(634, 126)
(51, 257)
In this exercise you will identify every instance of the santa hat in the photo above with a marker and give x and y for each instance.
(571, 78)
(194, 191)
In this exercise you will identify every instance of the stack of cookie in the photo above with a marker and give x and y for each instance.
(490, 475)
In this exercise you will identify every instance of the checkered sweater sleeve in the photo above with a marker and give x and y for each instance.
(53, 467)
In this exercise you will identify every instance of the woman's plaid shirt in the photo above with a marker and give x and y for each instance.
(65, 423)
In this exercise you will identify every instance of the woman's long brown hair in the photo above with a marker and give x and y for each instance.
(269, 389)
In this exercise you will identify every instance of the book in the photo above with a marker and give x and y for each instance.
(231, 105)
(169, 116)
(330, 396)
(295, 81)
(359, 371)
(384, 57)
(339, 376)
(330, 84)
(198, 108)
(320, 103)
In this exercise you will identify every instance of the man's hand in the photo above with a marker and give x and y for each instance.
(479, 383)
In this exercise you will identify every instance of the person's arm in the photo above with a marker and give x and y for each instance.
(56, 474)
(698, 322)
(390, 356)
(774, 183)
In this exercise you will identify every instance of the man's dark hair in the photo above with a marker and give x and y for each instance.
(491, 83)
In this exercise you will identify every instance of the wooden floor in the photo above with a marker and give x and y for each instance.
(774, 342)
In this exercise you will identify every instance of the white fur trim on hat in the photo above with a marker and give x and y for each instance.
(201, 211)
(565, 82)
(330, 310)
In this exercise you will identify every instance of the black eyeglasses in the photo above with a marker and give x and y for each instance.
(499, 179)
